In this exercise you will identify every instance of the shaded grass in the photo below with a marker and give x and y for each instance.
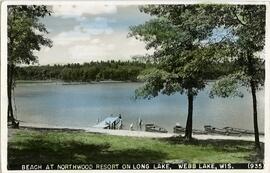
(32, 146)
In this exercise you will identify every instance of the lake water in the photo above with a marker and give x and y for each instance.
(82, 106)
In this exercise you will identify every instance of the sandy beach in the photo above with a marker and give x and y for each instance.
(136, 133)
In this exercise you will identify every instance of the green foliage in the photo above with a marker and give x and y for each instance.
(184, 62)
(186, 56)
(154, 79)
(247, 23)
(87, 72)
(228, 86)
(25, 33)
(175, 35)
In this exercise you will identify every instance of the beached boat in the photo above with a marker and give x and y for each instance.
(180, 129)
(213, 130)
(242, 131)
(228, 131)
(154, 128)
(197, 131)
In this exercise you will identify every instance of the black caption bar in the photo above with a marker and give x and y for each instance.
(139, 166)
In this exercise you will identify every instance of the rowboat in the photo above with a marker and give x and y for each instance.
(242, 131)
(228, 131)
(154, 128)
(211, 129)
(180, 129)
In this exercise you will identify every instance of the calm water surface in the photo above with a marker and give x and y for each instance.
(82, 106)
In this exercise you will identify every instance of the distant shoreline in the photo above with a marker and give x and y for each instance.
(72, 82)
(79, 82)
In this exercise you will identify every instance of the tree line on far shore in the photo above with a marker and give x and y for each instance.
(86, 72)
(95, 71)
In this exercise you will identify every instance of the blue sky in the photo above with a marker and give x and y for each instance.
(91, 32)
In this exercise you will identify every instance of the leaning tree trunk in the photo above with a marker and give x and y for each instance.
(9, 93)
(255, 117)
(188, 132)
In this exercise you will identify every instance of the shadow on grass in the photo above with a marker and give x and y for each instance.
(37, 151)
(223, 145)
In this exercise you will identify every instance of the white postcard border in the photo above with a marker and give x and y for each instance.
(3, 161)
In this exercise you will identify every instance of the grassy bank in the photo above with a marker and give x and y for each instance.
(36, 146)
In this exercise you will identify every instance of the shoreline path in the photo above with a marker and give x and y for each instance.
(136, 133)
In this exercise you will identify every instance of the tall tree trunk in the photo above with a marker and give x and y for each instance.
(188, 132)
(255, 117)
(9, 93)
(252, 72)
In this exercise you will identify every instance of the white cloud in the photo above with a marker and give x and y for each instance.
(94, 36)
(70, 11)
(95, 48)
(91, 52)
(116, 46)
(66, 38)
(84, 31)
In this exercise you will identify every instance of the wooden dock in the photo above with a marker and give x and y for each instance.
(108, 123)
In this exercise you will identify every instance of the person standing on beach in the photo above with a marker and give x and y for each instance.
(131, 126)
(140, 123)
(120, 122)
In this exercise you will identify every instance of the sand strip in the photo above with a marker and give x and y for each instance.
(136, 133)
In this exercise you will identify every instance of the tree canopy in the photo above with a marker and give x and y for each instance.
(183, 61)
(25, 33)
(175, 35)
(247, 23)
(186, 55)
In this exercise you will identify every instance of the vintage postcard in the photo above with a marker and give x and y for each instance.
(135, 86)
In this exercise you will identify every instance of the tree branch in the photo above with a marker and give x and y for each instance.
(237, 18)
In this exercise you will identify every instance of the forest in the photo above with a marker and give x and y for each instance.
(86, 72)
(95, 71)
